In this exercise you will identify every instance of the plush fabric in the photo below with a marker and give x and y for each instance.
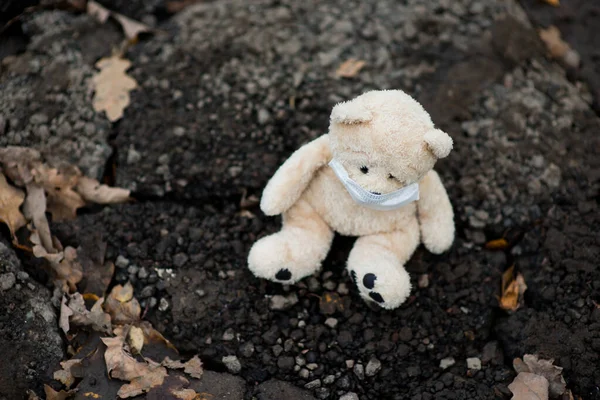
(385, 140)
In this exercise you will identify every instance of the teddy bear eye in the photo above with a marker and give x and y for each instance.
(364, 169)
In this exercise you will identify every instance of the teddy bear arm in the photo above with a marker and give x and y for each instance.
(436, 216)
(291, 179)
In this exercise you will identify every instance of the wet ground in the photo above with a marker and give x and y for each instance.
(227, 91)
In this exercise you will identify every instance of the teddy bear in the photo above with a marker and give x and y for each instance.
(370, 176)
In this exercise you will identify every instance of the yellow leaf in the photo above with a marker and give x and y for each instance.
(512, 290)
(498, 244)
(112, 86)
(350, 68)
(143, 383)
(122, 306)
(64, 375)
(10, 200)
(135, 338)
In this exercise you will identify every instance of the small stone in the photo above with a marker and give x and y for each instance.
(22, 275)
(232, 364)
(300, 361)
(447, 362)
(286, 363)
(7, 281)
(474, 363)
(312, 366)
(349, 363)
(163, 304)
(330, 285)
(247, 349)
(343, 289)
(313, 384)
(279, 302)
(349, 396)
(121, 262)
(423, 281)
(277, 350)
(304, 373)
(373, 367)
(329, 379)
(405, 334)
(133, 269)
(133, 156)
(263, 116)
(180, 259)
(551, 176)
(228, 335)
(143, 273)
(331, 322)
(359, 371)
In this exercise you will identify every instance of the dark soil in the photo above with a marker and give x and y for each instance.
(230, 89)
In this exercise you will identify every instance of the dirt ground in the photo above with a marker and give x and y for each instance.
(227, 90)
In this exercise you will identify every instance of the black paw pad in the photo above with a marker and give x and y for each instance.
(283, 274)
(369, 280)
(354, 278)
(376, 296)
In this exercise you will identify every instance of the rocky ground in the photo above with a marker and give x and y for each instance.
(227, 91)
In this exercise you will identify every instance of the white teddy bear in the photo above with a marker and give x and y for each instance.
(371, 176)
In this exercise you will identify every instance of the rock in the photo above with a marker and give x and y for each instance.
(359, 371)
(349, 396)
(423, 281)
(121, 262)
(232, 364)
(277, 390)
(331, 322)
(286, 363)
(217, 385)
(447, 362)
(474, 363)
(313, 384)
(247, 349)
(373, 367)
(228, 335)
(279, 302)
(7, 281)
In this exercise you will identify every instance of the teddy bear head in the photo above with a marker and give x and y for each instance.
(385, 140)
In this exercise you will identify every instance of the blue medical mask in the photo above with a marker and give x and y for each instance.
(381, 202)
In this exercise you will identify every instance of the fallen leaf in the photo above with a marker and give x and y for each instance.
(135, 339)
(131, 28)
(31, 395)
(122, 306)
(52, 394)
(64, 263)
(91, 190)
(65, 313)
(330, 302)
(558, 48)
(498, 244)
(120, 364)
(193, 367)
(185, 394)
(96, 318)
(112, 86)
(11, 199)
(153, 339)
(143, 383)
(173, 387)
(512, 290)
(97, 273)
(64, 375)
(18, 162)
(350, 68)
(63, 201)
(35, 211)
(552, 373)
(529, 386)
(554, 3)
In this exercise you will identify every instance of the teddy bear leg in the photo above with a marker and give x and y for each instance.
(376, 265)
(294, 252)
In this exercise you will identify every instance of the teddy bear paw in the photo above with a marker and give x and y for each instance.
(388, 290)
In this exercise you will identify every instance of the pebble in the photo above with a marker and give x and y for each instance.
(349, 363)
(359, 371)
(312, 366)
(228, 335)
(423, 281)
(263, 116)
(373, 367)
(329, 379)
(247, 349)
(304, 373)
(447, 362)
(7, 281)
(474, 363)
(22, 275)
(180, 259)
(331, 322)
(286, 363)
(322, 393)
(349, 396)
(277, 350)
(133, 156)
(300, 361)
(163, 304)
(232, 364)
(343, 289)
(330, 285)
(279, 302)
(313, 384)
(143, 273)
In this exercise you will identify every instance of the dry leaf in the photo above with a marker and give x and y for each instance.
(558, 48)
(529, 386)
(498, 244)
(35, 211)
(143, 383)
(130, 27)
(122, 306)
(330, 302)
(185, 394)
(554, 3)
(350, 68)
(18, 162)
(65, 313)
(152, 336)
(52, 394)
(112, 86)
(512, 290)
(91, 190)
(64, 263)
(193, 367)
(10, 200)
(135, 339)
(64, 375)
(120, 364)
(97, 273)
(96, 317)
(63, 201)
(552, 373)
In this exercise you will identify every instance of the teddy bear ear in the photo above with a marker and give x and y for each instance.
(350, 112)
(438, 142)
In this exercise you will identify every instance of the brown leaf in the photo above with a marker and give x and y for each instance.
(64, 263)
(112, 86)
(91, 190)
(130, 27)
(52, 394)
(64, 375)
(18, 162)
(96, 318)
(122, 306)
(135, 339)
(350, 68)
(11, 199)
(512, 290)
(193, 367)
(35, 211)
(119, 363)
(558, 48)
(97, 274)
(154, 377)
(330, 302)
(65, 313)
(544, 368)
(152, 338)
(529, 386)
(63, 201)
(498, 244)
